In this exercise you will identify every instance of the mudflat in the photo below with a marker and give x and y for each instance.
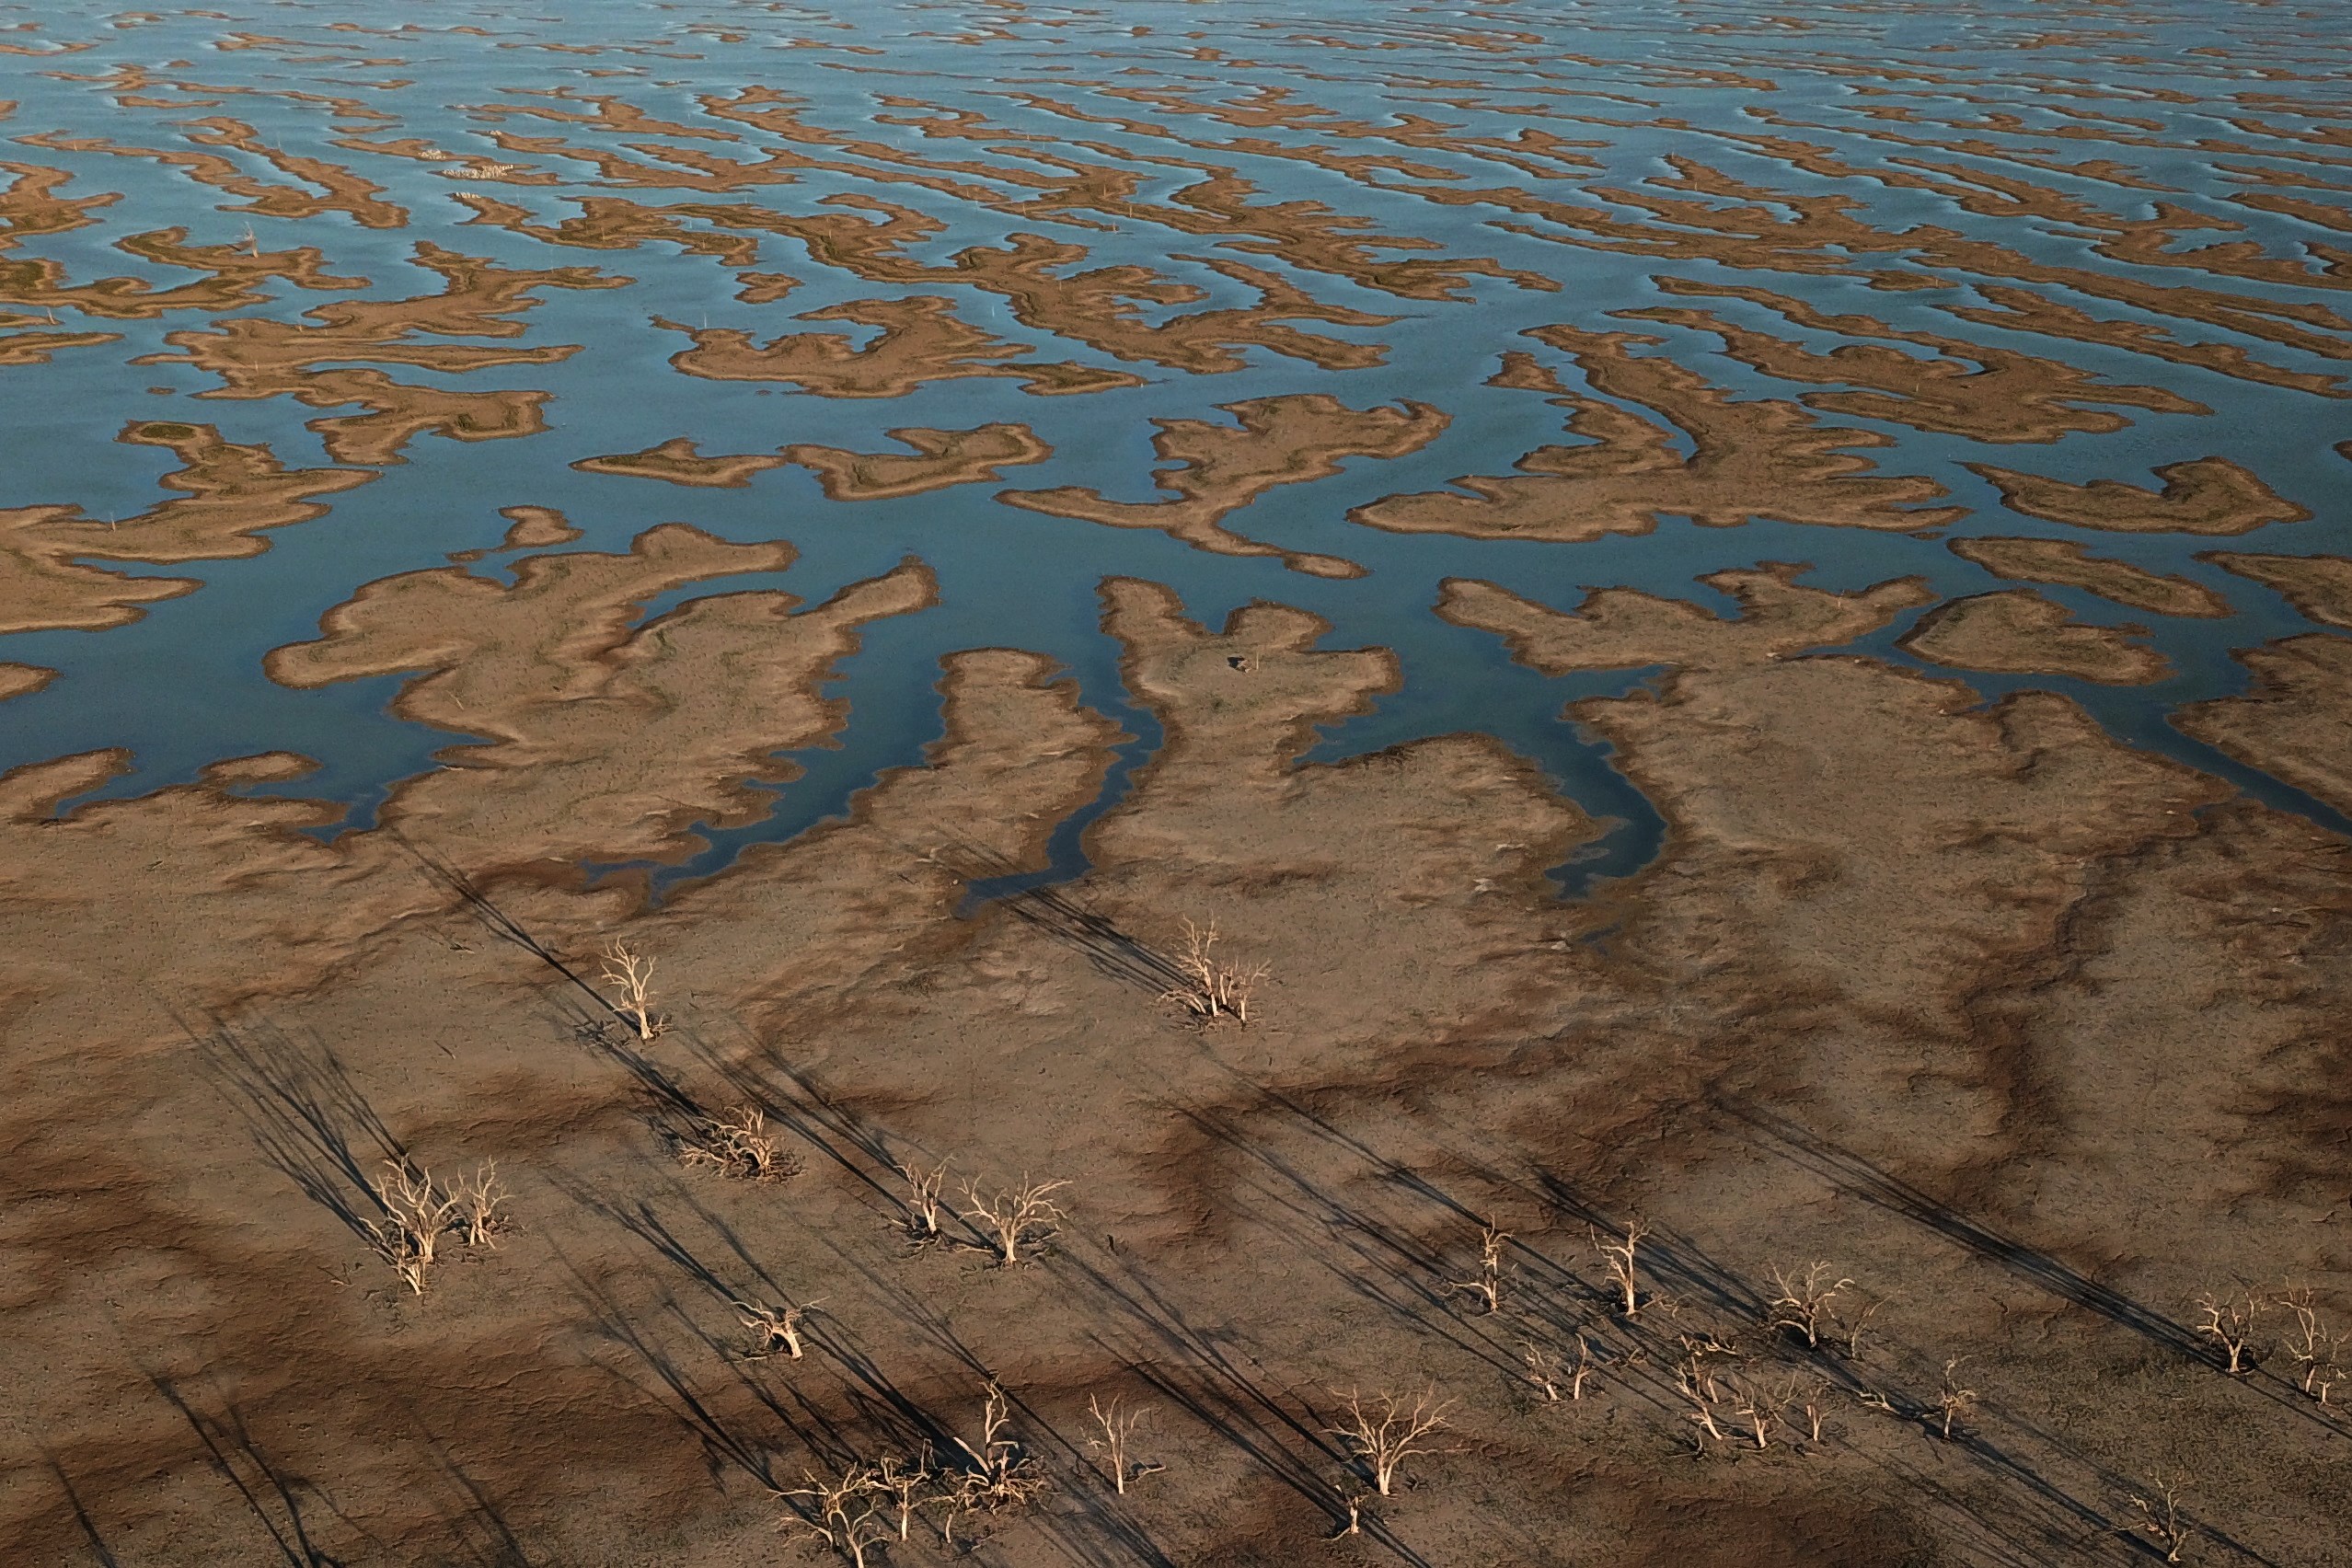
(2026, 1036)
(1175, 785)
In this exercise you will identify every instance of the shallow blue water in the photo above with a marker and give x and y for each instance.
(1893, 95)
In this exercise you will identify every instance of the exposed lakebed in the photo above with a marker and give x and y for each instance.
(1257, 302)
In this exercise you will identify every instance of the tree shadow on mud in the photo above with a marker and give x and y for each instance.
(91, 1536)
(870, 1396)
(1064, 917)
(2026, 1516)
(1377, 1258)
(672, 1390)
(759, 1075)
(1856, 1177)
(1851, 1174)
(306, 1115)
(1202, 1372)
(473, 1519)
(279, 1499)
(501, 925)
(1548, 1298)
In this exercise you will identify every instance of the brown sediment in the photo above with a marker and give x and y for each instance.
(1305, 233)
(2034, 1035)
(346, 193)
(536, 527)
(258, 358)
(2327, 215)
(678, 461)
(1812, 801)
(489, 171)
(611, 223)
(30, 204)
(1097, 306)
(38, 348)
(2023, 310)
(2202, 495)
(1618, 629)
(2296, 722)
(479, 298)
(922, 340)
(262, 768)
(764, 288)
(673, 168)
(1959, 997)
(528, 528)
(1790, 233)
(1019, 754)
(232, 493)
(2067, 562)
(1225, 824)
(416, 148)
(397, 412)
(279, 1322)
(75, 47)
(2320, 586)
(23, 680)
(2144, 242)
(2006, 1028)
(127, 79)
(1216, 469)
(47, 587)
(940, 458)
(236, 272)
(223, 863)
(2019, 632)
(604, 739)
(606, 112)
(1751, 458)
(873, 248)
(1972, 188)
(1233, 722)
(1992, 395)
(1530, 149)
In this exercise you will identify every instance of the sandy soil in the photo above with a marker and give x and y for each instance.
(2068, 562)
(2020, 631)
(1750, 458)
(233, 492)
(2202, 495)
(2320, 586)
(1969, 390)
(679, 461)
(936, 460)
(1216, 469)
(922, 340)
(528, 528)
(2033, 1037)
